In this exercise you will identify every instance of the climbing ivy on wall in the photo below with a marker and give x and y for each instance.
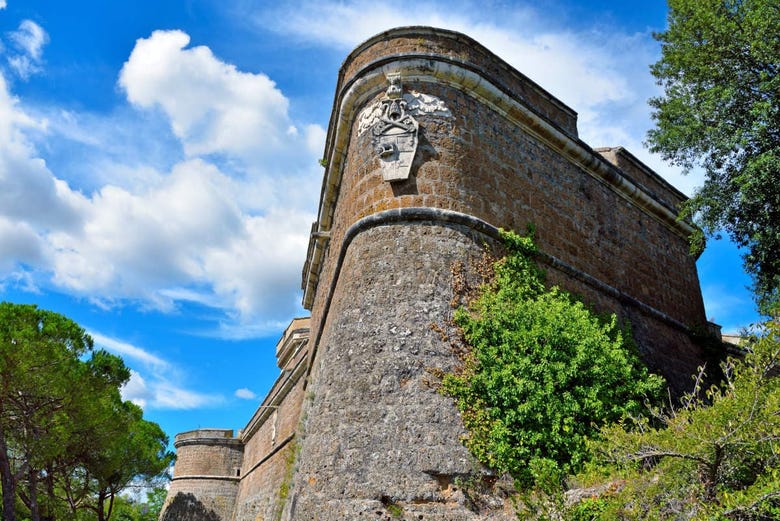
(540, 372)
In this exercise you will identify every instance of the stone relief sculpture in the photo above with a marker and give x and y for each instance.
(395, 134)
(394, 128)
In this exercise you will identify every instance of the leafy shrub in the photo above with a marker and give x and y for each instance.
(540, 373)
(716, 456)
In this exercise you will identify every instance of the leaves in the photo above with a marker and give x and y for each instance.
(718, 454)
(542, 372)
(721, 111)
(67, 440)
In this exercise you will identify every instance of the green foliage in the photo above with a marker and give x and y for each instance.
(155, 499)
(293, 450)
(541, 374)
(721, 110)
(68, 443)
(131, 510)
(717, 456)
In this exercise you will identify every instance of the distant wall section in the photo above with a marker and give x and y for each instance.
(221, 477)
(205, 477)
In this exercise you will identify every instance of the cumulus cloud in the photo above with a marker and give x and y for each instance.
(32, 201)
(3, 4)
(228, 232)
(212, 106)
(19, 243)
(186, 239)
(160, 394)
(28, 42)
(28, 190)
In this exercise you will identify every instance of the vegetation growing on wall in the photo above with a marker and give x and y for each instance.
(291, 456)
(540, 373)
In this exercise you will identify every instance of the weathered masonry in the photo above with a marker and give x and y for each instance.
(434, 143)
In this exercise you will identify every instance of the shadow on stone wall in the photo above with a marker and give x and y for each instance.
(186, 507)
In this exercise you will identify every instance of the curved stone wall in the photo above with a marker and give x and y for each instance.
(206, 476)
(491, 149)
(433, 144)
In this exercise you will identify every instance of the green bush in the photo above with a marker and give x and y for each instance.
(541, 372)
(716, 456)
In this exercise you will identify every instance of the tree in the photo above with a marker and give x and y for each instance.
(133, 449)
(717, 456)
(721, 111)
(67, 440)
(129, 509)
(39, 360)
(540, 372)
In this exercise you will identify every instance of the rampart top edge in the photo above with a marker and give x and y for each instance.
(422, 30)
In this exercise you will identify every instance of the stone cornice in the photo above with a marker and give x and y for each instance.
(204, 477)
(281, 388)
(207, 441)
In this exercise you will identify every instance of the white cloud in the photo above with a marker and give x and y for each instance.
(3, 4)
(245, 394)
(127, 148)
(30, 38)
(156, 384)
(186, 238)
(232, 237)
(127, 350)
(28, 41)
(19, 243)
(578, 68)
(167, 396)
(160, 394)
(212, 106)
(136, 390)
(32, 201)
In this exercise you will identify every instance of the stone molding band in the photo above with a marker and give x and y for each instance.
(203, 477)
(206, 441)
(264, 410)
(441, 217)
(372, 79)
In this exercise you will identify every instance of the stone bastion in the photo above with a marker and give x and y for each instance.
(434, 144)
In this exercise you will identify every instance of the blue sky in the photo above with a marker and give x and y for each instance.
(159, 174)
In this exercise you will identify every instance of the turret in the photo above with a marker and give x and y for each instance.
(205, 476)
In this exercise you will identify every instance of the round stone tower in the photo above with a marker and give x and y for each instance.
(434, 143)
(205, 476)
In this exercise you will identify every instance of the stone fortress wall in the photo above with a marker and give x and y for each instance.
(207, 471)
(434, 143)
